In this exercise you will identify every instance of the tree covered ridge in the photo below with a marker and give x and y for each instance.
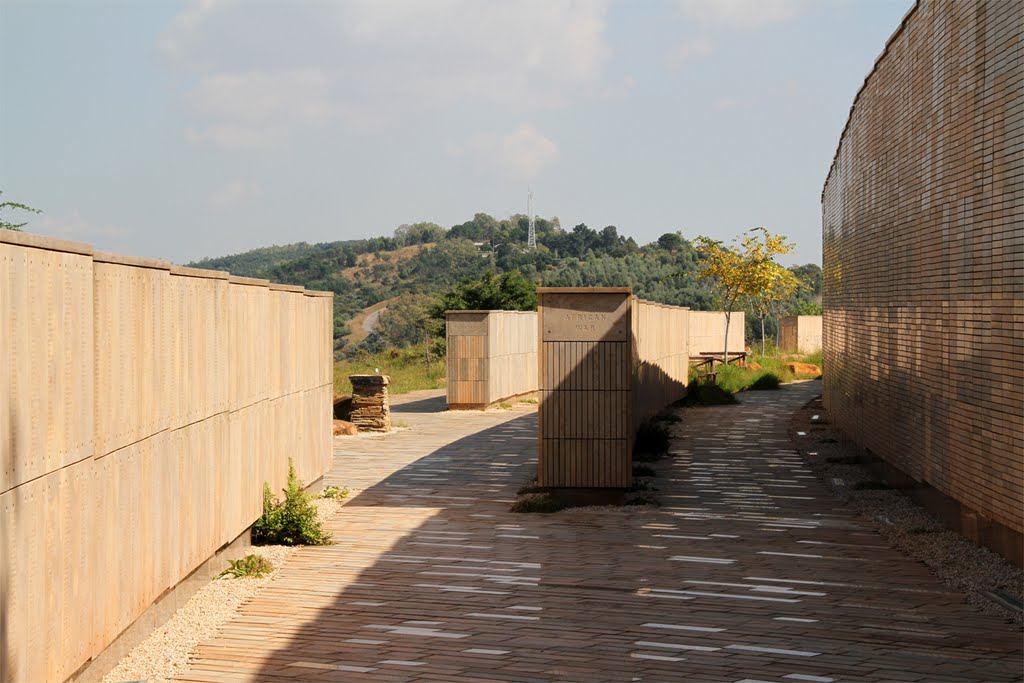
(439, 265)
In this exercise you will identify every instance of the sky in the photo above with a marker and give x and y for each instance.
(180, 130)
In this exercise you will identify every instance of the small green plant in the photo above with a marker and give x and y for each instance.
(252, 565)
(644, 471)
(871, 486)
(641, 485)
(652, 440)
(537, 502)
(399, 424)
(765, 382)
(334, 492)
(289, 522)
(504, 405)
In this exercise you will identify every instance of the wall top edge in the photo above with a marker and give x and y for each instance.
(254, 281)
(317, 292)
(661, 305)
(279, 287)
(863, 86)
(584, 290)
(28, 239)
(490, 310)
(135, 261)
(199, 272)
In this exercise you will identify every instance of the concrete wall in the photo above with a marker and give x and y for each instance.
(923, 285)
(707, 332)
(142, 407)
(607, 362)
(800, 333)
(492, 356)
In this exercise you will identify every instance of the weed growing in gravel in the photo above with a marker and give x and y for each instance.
(530, 488)
(252, 565)
(334, 492)
(291, 522)
(537, 502)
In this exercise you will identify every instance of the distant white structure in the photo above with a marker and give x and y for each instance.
(531, 240)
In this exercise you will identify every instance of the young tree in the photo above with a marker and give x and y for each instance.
(5, 225)
(774, 284)
(744, 269)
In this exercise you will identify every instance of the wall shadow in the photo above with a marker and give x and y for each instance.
(434, 404)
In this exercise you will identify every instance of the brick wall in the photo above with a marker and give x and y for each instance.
(923, 220)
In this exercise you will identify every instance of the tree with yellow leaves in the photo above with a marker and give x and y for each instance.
(745, 269)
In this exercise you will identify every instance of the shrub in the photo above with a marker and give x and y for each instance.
(643, 499)
(291, 522)
(652, 439)
(644, 471)
(708, 395)
(768, 380)
(251, 565)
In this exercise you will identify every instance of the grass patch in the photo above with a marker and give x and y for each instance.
(871, 486)
(543, 503)
(407, 368)
(644, 471)
(252, 565)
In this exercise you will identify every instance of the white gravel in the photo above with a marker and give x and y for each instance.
(165, 653)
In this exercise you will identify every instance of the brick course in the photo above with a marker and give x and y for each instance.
(923, 234)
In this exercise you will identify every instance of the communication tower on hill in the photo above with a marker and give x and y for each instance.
(531, 240)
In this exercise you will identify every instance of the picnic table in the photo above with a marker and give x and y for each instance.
(707, 360)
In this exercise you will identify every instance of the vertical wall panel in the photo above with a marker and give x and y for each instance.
(492, 356)
(122, 467)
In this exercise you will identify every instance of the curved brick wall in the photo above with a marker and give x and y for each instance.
(923, 219)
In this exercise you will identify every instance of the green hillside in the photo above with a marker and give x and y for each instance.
(424, 260)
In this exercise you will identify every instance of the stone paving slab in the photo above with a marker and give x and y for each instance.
(749, 572)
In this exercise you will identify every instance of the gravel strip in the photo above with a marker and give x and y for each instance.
(958, 563)
(165, 653)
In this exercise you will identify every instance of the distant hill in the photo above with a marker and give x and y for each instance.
(426, 258)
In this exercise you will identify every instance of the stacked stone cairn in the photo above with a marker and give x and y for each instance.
(371, 410)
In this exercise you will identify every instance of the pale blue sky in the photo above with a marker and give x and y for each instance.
(183, 130)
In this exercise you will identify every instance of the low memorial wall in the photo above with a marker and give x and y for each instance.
(607, 362)
(800, 333)
(492, 356)
(142, 407)
(707, 332)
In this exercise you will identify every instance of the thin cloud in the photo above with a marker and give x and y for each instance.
(746, 14)
(689, 50)
(233, 194)
(518, 155)
(370, 64)
(73, 226)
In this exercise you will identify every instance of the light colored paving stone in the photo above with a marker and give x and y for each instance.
(750, 571)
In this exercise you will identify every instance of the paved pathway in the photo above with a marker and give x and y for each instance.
(750, 572)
